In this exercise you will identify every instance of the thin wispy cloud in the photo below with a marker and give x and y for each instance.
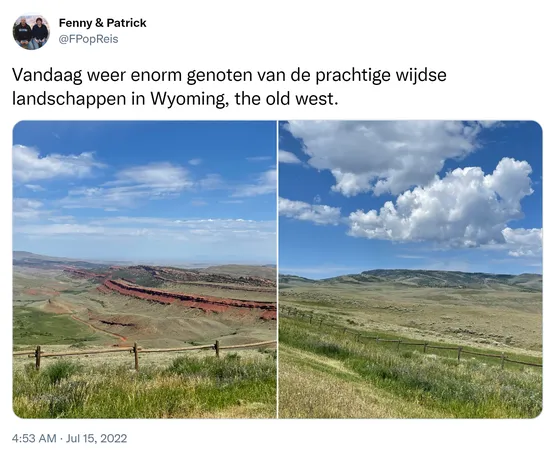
(260, 158)
(265, 183)
(29, 165)
(105, 194)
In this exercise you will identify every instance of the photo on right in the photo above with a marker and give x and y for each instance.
(410, 269)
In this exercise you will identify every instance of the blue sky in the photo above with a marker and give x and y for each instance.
(146, 191)
(446, 195)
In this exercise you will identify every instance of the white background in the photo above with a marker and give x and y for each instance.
(499, 66)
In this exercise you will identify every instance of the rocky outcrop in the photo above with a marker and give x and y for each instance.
(82, 274)
(206, 303)
(200, 276)
(246, 288)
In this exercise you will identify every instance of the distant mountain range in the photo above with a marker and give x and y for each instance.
(423, 278)
(29, 259)
(22, 258)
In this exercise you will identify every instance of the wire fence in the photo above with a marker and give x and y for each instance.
(38, 354)
(319, 321)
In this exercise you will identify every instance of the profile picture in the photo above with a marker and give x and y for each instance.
(31, 32)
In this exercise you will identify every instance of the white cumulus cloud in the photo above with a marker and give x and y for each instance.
(288, 157)
(524, 242)
(385, 156)
(467, 208)
(318, 214)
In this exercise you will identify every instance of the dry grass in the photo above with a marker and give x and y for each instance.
(305, 380)
(489, 318)
(324, 373)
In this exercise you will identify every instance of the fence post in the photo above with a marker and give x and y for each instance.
(37, 358)
(311, 318)
(217, 347)
(345, 330)
(503, 360)
(136, 352)
(377, 339)
(425, 347)
(356, 338)
(398, 344)
(320, 326)
(459, 354)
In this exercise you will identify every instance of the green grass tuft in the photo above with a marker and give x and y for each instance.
(189, 387)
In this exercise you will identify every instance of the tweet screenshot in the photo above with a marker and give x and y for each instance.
(304, 229)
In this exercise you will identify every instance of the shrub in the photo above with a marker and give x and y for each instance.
(62, 369)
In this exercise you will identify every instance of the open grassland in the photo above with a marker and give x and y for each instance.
(51, 307)
(326, 374)
(490, 318)
(239, 385)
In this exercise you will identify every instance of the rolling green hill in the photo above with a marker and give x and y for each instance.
(423, 278)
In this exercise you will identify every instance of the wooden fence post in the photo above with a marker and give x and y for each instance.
(459, 354)
(37, 358)
(503, 360)
(136, 352)
(320, 326)
(345, 330)
(398, 344)
(217, 347)
(425, 347)
(377, 339)
(311, 318)
(356, 338)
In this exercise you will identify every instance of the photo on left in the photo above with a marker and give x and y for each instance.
(144, 269)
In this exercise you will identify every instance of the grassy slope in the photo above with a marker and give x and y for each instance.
(324, 374)
(268, 272)
(188, 387)
(32, 327)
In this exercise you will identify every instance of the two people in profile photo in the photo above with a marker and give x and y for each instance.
(31, 32)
